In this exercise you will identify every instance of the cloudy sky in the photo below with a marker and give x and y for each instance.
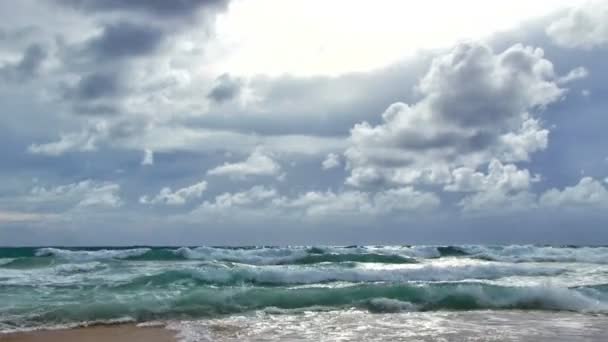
(303, 122)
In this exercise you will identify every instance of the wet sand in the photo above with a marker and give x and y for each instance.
(118, 333)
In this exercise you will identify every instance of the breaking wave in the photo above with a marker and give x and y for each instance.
(381, 298)
(66, 286)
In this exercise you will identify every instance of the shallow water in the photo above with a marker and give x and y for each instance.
(354, 325)
(425, 293)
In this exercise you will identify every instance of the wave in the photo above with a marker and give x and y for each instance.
(220, 274)
(285, 256)
(251, 256)
(43, 257)
(447, 251)
(91, 255)
(387, 298)
(69, 269)
(363, 258)
(17, 252)
(27, 263)
(531, 253)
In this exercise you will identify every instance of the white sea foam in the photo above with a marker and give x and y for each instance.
(355, 325)
(85, 255)
(4, 261)
(314, 274)
(529, 253)
(255, 256)
(67, 269)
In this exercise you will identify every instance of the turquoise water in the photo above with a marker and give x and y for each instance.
(42, 287)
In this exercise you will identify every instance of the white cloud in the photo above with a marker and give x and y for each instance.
(148, 158)
(257, 164)
(588, 192)
(573, 75)
(405, 199)
(263, 202)
(331, 161)
(521, 143)
(330, 40)
(256, 196)
(15, 217)
(84, 194)
(495, 201)
(504, 178)
(583, 27)
(178, 197)
(512, 194)
(504, 188)
(317, 205)
(475, 106)
(85, 140)
(102, 196)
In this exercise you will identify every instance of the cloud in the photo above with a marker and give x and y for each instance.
(87, 193)
(503, 178)
(476, 105)
(584, 27)
(159, 8)
(148, 158)
(405, 199)
(116, 58)
(265, 202)
(16, 217)
(86, 140)
(124, 39)
(316, 204)
(178, 197)
(331, 161)
(105, 195)
(492, 202)
(573, 75)
(505, 188)
(512, 193)
(587, 193)
(225, 89)
(96, 85)
(258, 163)
(27, 67)
(139, 134)
(226, 202)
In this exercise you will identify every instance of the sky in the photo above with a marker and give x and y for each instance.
(283, 122)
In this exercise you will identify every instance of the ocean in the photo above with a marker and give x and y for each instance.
(314, 293)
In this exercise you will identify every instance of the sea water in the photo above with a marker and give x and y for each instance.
(314, 293)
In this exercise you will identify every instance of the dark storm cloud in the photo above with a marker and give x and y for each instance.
(27, 67)
(131, 33)
(124, 39)
(226, 88)
(96, 94)
(95, 109)
(96, 85)
(160, 8)
(319, 105)
(32, 58)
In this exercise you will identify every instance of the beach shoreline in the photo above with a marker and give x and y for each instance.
(114, 333)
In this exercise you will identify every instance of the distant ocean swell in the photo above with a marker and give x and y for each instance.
(306, 255)
(49, 286)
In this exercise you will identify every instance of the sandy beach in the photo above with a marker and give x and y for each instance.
(118, 333)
